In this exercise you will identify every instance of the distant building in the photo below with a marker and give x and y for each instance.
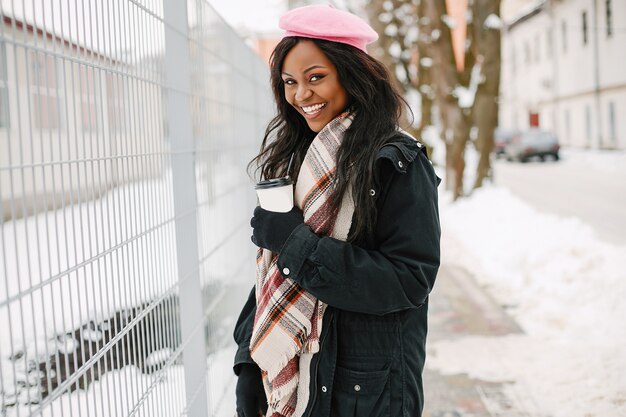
(61, 103)
(264, 43)
(563, 69)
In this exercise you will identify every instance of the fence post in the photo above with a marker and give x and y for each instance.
(178, 80)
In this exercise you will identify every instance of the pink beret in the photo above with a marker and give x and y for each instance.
(328, 23)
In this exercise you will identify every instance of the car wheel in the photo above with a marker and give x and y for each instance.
(523, 159)
(556, 156)
(542, 158)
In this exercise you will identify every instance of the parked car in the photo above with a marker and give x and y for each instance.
(502, 137)
(533, 143)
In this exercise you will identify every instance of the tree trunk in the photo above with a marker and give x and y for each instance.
(437, 80)
(487, 41)
(456, 123)
(424, 77)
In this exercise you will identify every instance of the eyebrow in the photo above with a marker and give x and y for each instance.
(312, 67)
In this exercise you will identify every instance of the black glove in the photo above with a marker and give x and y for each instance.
(271, 229)
(251, 400)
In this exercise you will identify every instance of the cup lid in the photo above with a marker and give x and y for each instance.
(274, 182)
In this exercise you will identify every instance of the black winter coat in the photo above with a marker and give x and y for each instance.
(373, 341)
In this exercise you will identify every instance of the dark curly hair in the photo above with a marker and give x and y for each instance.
(377, 108)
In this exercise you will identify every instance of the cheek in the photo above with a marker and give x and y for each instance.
(339, 93)
(343, 97)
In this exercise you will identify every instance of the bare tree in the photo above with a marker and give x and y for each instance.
(416, 44)
(395, 21)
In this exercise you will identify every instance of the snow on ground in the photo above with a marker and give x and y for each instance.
(120, 392)
(610, 162)
(105, 255)
(60, 269)
(565, 288)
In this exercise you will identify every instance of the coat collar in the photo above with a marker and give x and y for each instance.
(401, 150)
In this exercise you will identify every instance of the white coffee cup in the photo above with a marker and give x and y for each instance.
(275, 194)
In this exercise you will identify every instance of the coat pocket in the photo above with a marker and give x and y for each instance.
(360, 394)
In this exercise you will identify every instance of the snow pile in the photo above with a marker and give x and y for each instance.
(448, 21)
(493, 22)
(562, 285)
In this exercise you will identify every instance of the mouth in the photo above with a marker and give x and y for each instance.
(313, 110)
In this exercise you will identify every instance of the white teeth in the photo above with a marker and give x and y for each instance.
(313, 109)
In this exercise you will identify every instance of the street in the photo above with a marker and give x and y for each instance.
(587, 184)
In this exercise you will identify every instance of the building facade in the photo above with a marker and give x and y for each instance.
(60, 101)
(563, 67)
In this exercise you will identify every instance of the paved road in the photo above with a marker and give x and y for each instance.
(589, 185)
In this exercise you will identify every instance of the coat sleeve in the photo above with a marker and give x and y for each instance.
(243, 332)
(398, 274)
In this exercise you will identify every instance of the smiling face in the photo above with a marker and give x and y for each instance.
(312, 85)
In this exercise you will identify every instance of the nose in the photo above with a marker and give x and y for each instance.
(303, 93)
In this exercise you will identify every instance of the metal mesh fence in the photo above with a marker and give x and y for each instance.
(125, 130)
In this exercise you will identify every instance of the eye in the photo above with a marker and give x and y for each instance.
(289, 81)
(316, 77)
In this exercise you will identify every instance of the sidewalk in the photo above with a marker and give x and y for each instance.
(459, 307)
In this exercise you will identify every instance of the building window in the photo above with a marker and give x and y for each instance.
(588, 124)
(585, 34)
(526, 53)
(88, 107)
(4, 88)
(513, 60)
(609, 18)
(537, 48)
(164, 113)
(44, 90)
(549, 43)
(116, 96)
(564, 35)
(568, 130)
(612, 126)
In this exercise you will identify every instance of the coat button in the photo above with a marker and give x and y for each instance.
(324, 389)
(372, 192)
(286, 271)
(357, 388)
(400, 164)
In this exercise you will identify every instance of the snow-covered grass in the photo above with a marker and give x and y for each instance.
(61, 269)
(41, 253)
(566, 289)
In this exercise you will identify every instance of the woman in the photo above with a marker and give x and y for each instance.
(336, 325)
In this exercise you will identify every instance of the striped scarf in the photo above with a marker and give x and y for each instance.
(288, 320)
